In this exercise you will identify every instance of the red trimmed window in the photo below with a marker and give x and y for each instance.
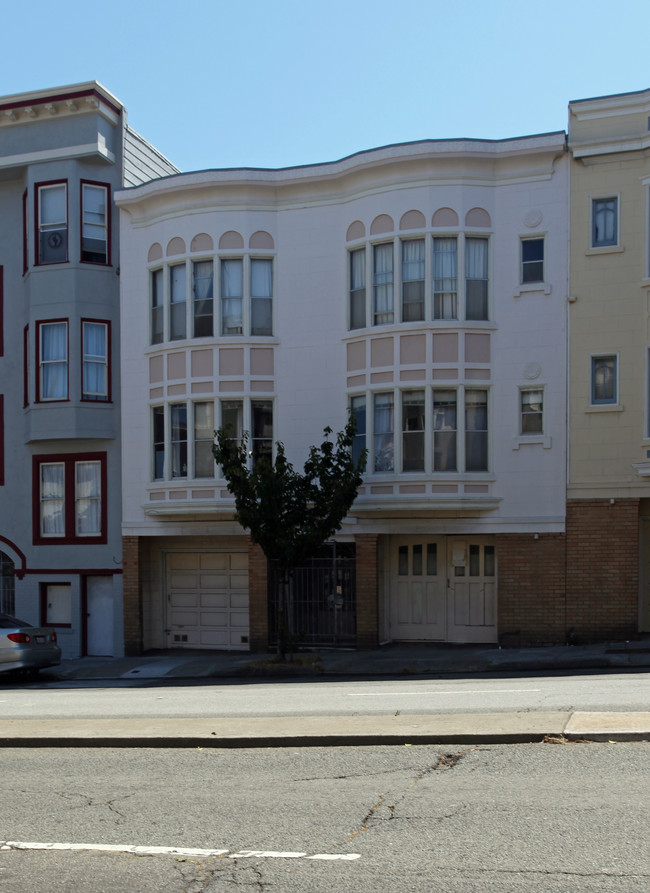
(26, 366)
(52, 354)
(96, 352)
(69, 498)
(2, 439)
(51, 222)
(2, 311)
(25, 232)
(95, 222)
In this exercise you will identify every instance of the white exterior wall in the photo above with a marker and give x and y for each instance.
(307, 211)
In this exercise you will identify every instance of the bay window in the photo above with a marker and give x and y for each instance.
(445, 278)
(177, 303)
(204, 466)
(444, 430)
(476, 430)
(412, 280)
(261, 296)
(358, 414)
(158, 426)
(383, 284)
(383, 429)
(232, 297)
(476, 278)
(157, 307)
(52, 360)
(413, 430)
(203, 298)
(179, 439)
(95, 209)
(262, 430)
(95, 340)
(358, 288)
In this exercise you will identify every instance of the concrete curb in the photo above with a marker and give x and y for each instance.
(328, 731)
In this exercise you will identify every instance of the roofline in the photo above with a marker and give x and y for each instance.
(610, 96)
(60, 94)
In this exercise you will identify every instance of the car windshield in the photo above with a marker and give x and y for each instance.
(9, 622)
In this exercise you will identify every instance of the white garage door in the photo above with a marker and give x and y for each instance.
(207, 600)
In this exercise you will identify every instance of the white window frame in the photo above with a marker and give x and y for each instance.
(604, 245)
(55, 227)
(529, 283)
(95, 226)
(603, 403)
(522, 414)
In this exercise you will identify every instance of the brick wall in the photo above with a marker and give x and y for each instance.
(602, 577)
(367, 591)
(257, 598)
(531, 589)
(132, 595)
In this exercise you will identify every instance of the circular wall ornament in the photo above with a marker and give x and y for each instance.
(532, 370)
(533, 217)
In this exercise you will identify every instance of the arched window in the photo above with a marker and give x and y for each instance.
(7, 585)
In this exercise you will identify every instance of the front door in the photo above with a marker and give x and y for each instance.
(99, 616)
(443, 589)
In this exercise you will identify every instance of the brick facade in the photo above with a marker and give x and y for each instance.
(132, 594)
(367, 591)
(602, 577)
(531, 589)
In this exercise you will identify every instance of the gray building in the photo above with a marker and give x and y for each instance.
(63, 153)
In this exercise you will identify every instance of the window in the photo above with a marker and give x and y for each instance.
(383, 432)
(2, 440)
(158, 420)
(476, 442)
(445, 278)
(204, 466)
(232, 297)
(26, 366)
(413, 430)
(476, 278)
(604, 380)
(604, 222)
(232, 418)
(532, 411)
(178, 413)
(261, 297)
(52, 222)
(2, 340)
(69, 503)
(413, 280)
(52, 352)
(383, 284)
(358, 413)
(157, 307)
(56, 604)
(358, 288)
(95, 337)
(177, 303)
(444, 430)
(262, 430)
(203, 298)
(25, 233)
(532, 260)
(95, 211)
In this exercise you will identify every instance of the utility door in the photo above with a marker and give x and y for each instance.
(99, 615)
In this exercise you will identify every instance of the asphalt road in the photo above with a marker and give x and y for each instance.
(628, 691)
(537, 817)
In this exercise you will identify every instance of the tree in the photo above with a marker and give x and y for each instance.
(289, 514)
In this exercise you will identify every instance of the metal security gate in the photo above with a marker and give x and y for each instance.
(321, 603)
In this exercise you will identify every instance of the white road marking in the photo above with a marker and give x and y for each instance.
(454, 691)
(172, 851)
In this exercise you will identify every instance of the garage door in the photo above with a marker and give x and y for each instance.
(207, 600)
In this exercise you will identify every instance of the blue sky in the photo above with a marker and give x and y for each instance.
(271, 83)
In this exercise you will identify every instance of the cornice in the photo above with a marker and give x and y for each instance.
(60, 102)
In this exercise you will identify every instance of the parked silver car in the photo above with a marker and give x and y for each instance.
(26, 648)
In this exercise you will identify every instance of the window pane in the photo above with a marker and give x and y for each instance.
(203, 439)
(358, 288)
(179, 440)
(445, 278)
(604, 222)
(358, 412)
(413, 431)
(94, 233)
(532, 260)
(412, 280)
(52, 499)
(261, 297)
(158, 442)
(603, 380)
(383, 284)
(203, 298)
(476, 279)
(231, 297)
(156, 306)
(444, 430)
(403, 561)
(54, 360)
(262, 423)
(476, 422)
(417, 560)
(383, 432)
(53, 224)
(88, 498)
(474, 560)
(488, 557)
(432, 559)
(177, 297)
(95, 361)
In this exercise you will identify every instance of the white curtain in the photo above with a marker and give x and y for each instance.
(54, 361)
(95, 360)
(231, 297)
(383, 283)
(52, 500)
(88, 504)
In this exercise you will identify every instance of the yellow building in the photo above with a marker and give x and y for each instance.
(608, 495)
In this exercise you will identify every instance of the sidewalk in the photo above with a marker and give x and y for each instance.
(395, 660)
